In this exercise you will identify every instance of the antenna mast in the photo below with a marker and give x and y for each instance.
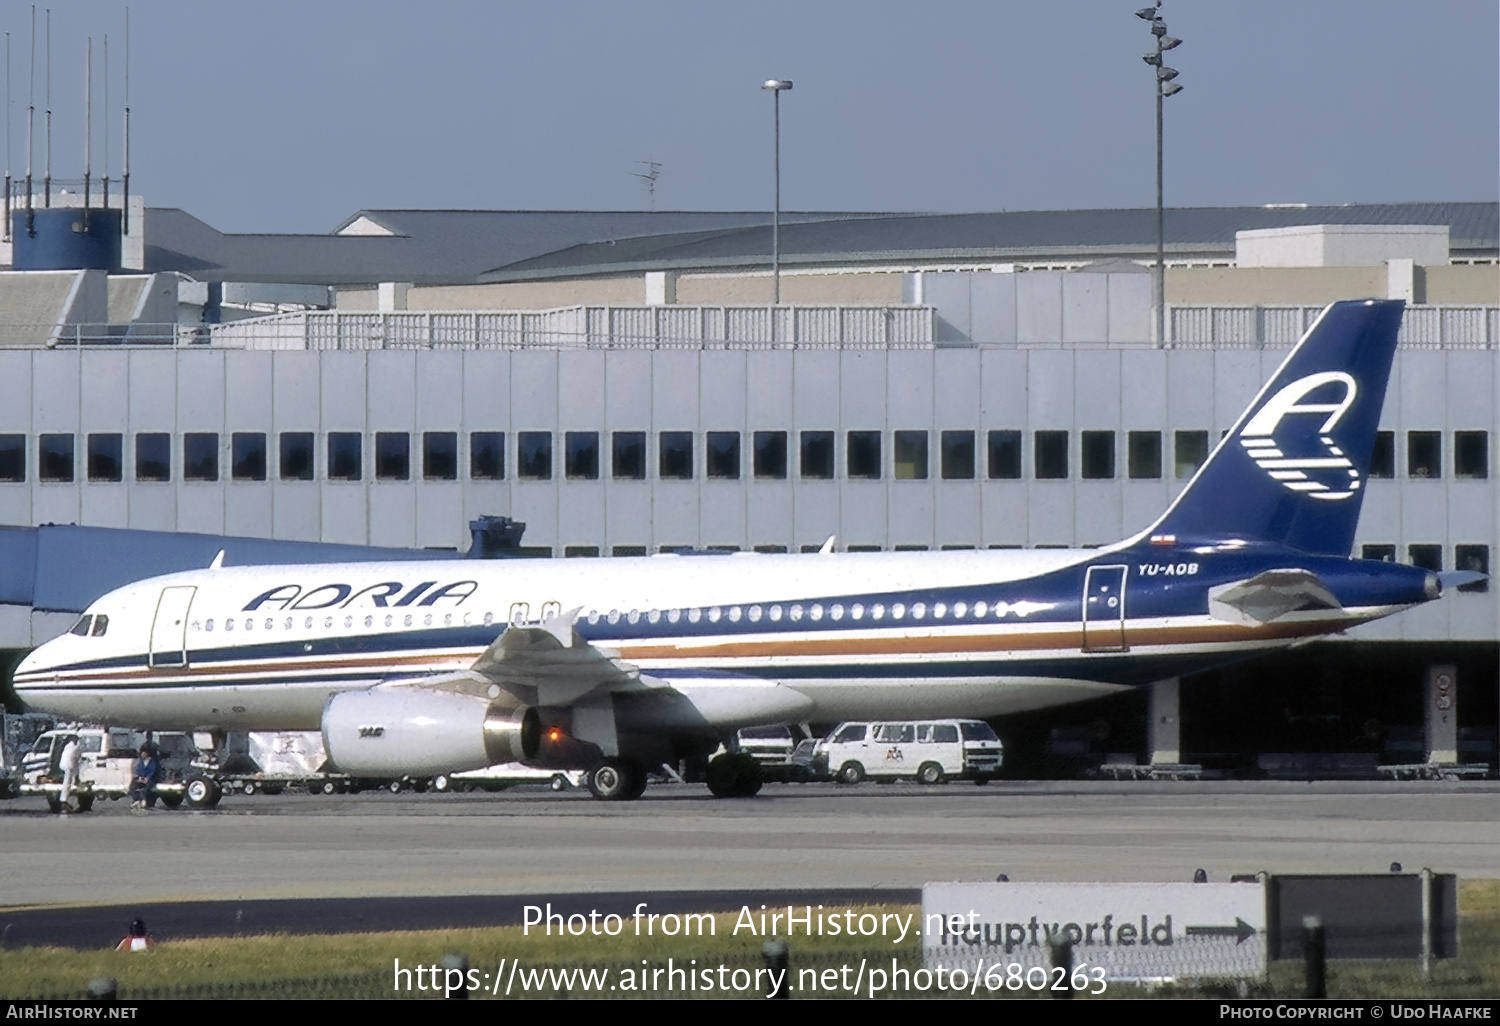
(651, 174)
(125, 174)
(47, 176)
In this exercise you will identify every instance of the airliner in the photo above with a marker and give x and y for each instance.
(616, 665)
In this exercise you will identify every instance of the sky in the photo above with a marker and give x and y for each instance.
(276, 116)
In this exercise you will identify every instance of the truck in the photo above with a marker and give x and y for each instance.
(106, 758)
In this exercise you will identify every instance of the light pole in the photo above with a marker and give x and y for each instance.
(1164, 87)
(776, 86)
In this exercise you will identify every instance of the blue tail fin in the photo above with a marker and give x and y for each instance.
(1293, 469)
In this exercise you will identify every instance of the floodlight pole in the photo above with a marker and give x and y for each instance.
(775, 86)
(1164, 87)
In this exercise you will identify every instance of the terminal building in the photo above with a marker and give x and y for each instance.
(622, 383)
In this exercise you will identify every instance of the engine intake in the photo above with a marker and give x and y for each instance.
(412, 732)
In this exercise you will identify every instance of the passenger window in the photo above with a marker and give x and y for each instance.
(519, 612)
(945, 734)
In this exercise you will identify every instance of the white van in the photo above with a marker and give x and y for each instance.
(928, 751)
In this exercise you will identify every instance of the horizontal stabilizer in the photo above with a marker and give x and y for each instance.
(1452, 580)
(1269, 596)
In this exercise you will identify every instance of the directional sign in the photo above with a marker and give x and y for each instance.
(1132, 931)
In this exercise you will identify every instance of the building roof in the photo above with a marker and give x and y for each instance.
(1206, 233)
(469, 246)
(419, 246)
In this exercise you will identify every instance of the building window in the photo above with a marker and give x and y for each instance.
(863, 455)
(440, 455)
(1097, 452)
(392, 455)
(911, 455)
(817, 455)
(1476, 558)
(1471, 455)
(297, 456)
(247, 456)
(345, 459)
(628, 550)
(153, 456)
(770, 455)
(1004, 455)
(675, 456)
(958, 455)
(200, 456)
(106, 457)
(1383, 458)
(629, 456)
(771, 550)
(1428, 557)
(534, 455)
(12, 458)
(55, 458)
(1379, 553)
(1051, 455)
(1190, 451)
(1144, 455)
(487, 455)
(723, 454)
(581, 551)
(581, 455)
(1424, 454)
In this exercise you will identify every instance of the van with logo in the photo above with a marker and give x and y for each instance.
(927, 751)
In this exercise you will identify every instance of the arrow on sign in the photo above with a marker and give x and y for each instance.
(1240, 931)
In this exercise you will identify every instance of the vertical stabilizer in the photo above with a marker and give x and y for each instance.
(1294, 468)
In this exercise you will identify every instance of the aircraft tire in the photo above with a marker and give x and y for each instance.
(851, 773)
(735, 775)
(615, 780)
(930, 773)
(202, 792)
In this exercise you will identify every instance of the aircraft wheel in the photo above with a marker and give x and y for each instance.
(616, 780)
(930, 773)
(322, 787)
(202, 793)
(851, 773)
(734, 776)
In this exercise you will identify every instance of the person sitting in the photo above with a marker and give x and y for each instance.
(143, 779)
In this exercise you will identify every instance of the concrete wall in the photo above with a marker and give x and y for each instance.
(1055, 388)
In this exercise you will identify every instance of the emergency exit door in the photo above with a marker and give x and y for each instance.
(169, 629)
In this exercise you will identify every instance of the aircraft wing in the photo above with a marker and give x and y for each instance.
(1269, 596)
(549, 665)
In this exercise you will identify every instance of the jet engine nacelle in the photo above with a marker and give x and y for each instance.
(409, 731)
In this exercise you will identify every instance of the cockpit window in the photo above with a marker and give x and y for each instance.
(101, 624)
(81, 628)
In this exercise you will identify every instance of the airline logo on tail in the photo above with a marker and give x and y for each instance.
(1320, 468)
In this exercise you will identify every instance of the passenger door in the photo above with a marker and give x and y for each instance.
(1104, 609)
(169, 629)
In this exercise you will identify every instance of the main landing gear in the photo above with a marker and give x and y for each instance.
(617, 780)
(734, 775)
